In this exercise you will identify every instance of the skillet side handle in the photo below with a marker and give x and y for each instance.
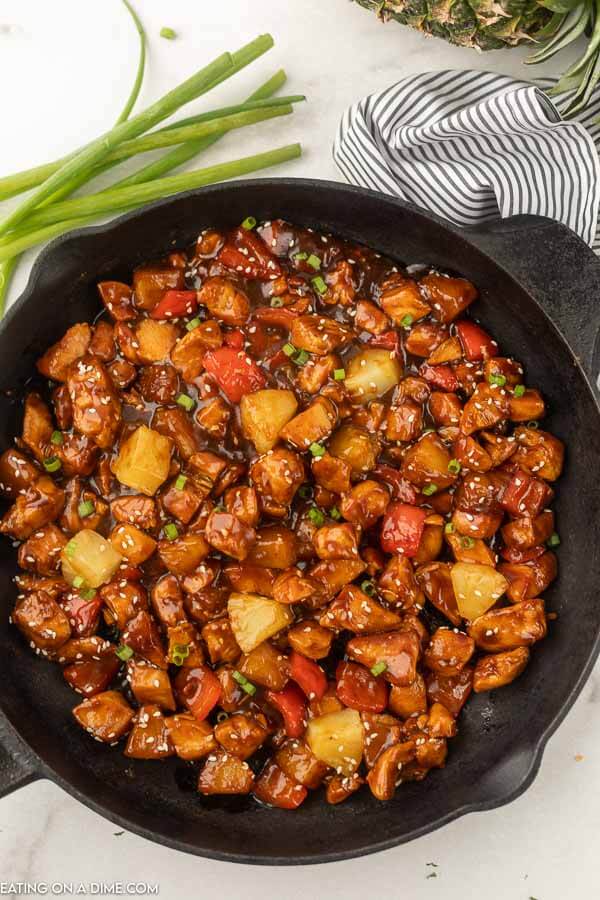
(559, 270)
(18, 766)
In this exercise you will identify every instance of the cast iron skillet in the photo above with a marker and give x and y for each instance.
(539, 285)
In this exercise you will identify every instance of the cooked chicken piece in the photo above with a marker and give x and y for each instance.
(73, 345)
(96, 404)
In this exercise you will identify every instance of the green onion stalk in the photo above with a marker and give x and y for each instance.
(154, 170)
(139, 75)
(112, 199)
(193, 135)
(12, 185)
(8, 266)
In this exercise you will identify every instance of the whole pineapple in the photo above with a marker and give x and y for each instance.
(493, 24)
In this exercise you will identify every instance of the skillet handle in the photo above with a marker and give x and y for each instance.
(559, 270)
(18, 766)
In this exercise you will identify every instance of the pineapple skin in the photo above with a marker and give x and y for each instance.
(481, 24)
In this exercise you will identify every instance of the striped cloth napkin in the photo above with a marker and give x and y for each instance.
(470, 146)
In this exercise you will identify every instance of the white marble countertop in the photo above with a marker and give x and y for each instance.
(65, 68)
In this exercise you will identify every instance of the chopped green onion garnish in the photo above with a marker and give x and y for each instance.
(316, 516)
(52, 464)
(171, 531)
(335, 513)
(276, 302)
(305, 491)
(301, 357)
(168, 33)
(467, 542)
(180, 653)
(185, 401)
(180, 482)
(249, 223)
(317, 450)
(339, 374)
(454, 466)
(406, 321)
(429, 489)
(319, 285)
(498, 380)
(379, 668)
(88, 594)
(193, 323)
(78, 581)
(86, 508)
(57, 438)
(289, 349)
(301, 256)
(70, 548)
(448, 527)
(124, 652)
(533, 424)
(314, 261)
(519, 390)
(243, 682)
(368, 587)
(553, 540)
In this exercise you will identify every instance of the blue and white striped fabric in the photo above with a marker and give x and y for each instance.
(472, 145)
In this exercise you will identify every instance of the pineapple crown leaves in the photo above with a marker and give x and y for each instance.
(493, 24)
(570, 20)
(560, 6)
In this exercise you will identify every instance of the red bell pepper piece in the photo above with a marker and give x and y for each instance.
(402, 529)
(276, 788)
(476, 343)
(359, 689)
(235, 372)
(387, 340)
(515, 555)
(441, 377)
(402, 489)
(200, 690)
(175, 305)
(291, 703)
(280, 317)
(308, 675)
(525, 495)
(234, 339)
(246, 253)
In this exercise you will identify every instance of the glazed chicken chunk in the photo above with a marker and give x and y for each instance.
(278, 511)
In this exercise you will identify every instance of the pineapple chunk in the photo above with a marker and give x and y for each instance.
(155, 339)
(144, 460)
(337, 739)
(264, 413)
(254, 619)
(355, 446)
(89, 556)
(371, 374)
(476, 588)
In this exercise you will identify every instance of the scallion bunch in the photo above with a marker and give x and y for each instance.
(47, 211)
